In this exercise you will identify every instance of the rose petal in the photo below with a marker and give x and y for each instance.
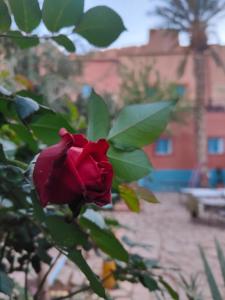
(97, 150)
(44, 164)
(79, 140)
(86, 167)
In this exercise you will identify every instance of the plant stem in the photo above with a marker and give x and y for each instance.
(45, 277)
(81, 290)
(26, 282)
(19, 164)
(4, 247)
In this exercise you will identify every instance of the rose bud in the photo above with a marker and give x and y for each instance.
(75, 171)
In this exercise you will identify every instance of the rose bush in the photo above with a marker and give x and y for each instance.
(74, 171)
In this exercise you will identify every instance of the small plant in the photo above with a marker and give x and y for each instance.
(191, 287)
(213, 285)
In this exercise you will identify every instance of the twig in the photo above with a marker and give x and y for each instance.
(83, 289)
(26, 281)
(4, 247)
(45, 277)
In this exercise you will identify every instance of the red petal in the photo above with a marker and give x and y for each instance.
(79, 140)
(86, 167)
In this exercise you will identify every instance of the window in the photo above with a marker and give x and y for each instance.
(215, 145)
(86, 91)
(163, 146)
(181, 90)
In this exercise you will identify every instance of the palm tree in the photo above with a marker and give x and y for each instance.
(195, 17)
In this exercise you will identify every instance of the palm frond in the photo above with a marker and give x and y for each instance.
(217, 58)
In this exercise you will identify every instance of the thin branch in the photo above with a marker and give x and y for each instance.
(45, 277)
(83, 289)
(4, 247)
(32, 37)
(26, 281)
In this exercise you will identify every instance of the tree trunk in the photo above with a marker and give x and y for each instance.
(200, 116)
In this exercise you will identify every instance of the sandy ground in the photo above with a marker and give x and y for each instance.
(174, 238)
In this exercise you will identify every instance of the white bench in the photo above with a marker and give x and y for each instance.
(203, 192)
(201, 200)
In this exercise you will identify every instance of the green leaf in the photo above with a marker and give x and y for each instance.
(4, 92)
(98, 118)
(210, 277)
(101, 26)
(25, 135)
(25, 107)
(105, 239)
(5, 18)
(170, 289)
(149, 282)
(23, 41)
(46, 127)
(27, 14)
(58, 14)
(146, 195)
(6, 284)
(221, 259)
(65, 234)
(64, 41)
(130, 197)
(38, 210)
(3, 158)
(129, 166)
(95, 218)
(141, 124)
(95, 283)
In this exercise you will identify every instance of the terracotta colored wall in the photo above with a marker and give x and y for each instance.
(102, 75)
(183, 155)
(216, 128)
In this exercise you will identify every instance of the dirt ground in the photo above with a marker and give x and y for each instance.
(174, 238)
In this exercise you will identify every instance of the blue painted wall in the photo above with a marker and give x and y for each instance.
(174, 180)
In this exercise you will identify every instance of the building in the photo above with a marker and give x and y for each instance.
(173, 156)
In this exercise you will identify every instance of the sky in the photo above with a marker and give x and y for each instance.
(138, 23)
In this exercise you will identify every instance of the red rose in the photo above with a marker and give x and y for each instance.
(74, 171)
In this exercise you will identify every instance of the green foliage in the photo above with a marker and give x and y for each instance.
(5, 19)
(23, 41)
(64, 41)
(191, 287)
(98, 117)
(96, 26)
(99, 25)
(130, 197)
(27, 14)
(174, 295)
(149, 282)
(216, 295)
(25, 107)
(6, 284)
(104, 238)
(69, 235)
(58, 14)
(129, 166)
(221, 259)
(139, 125)
(78, 259)
(146, 195)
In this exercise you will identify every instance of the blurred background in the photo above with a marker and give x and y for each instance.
(172, 50)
